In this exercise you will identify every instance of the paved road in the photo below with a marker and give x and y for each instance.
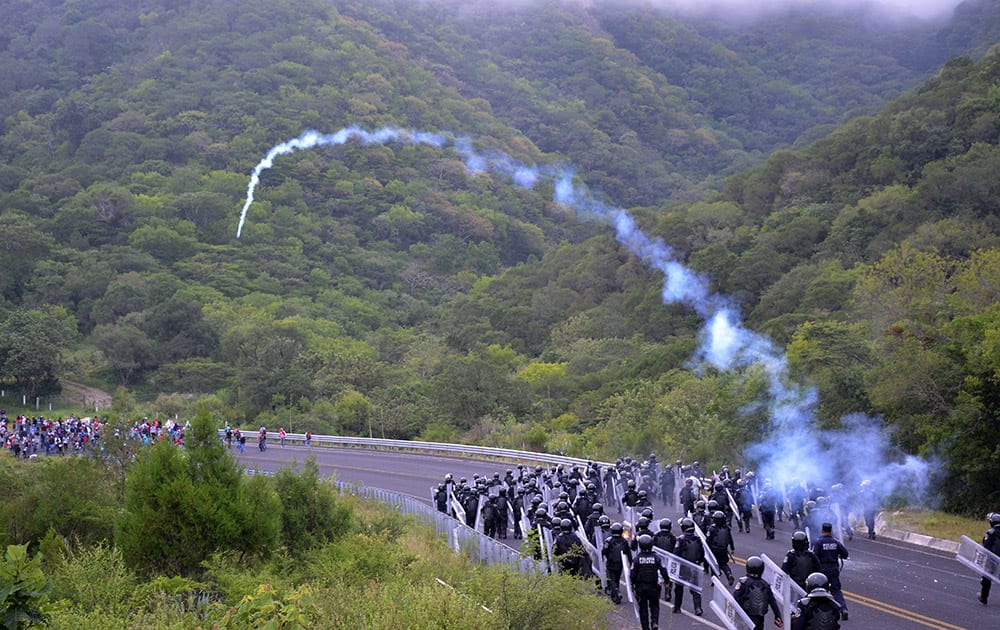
(888, 585)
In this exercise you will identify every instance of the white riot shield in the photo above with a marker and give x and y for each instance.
(735, 508)
(545, 550)
(682, 571)
(726, 608)
(602, 569)
(592, 552)
(547, 535)
(786, 591)
(709, 556)
(479, 514)
(456, 505)
(979, 559)
(628, 585)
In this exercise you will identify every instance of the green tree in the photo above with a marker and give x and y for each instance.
(310, 511)
(32, 346)
(182, 506)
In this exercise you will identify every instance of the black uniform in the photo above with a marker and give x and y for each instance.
(688, 547)
(720, 541)
(645, 569)
(798, 565)
(830, 552)
(667, 486)
(666, 541)
(613, 549)
(754, 596)
(768, 505)
(569, 552)
(992, 543)
(816, 611)
(441, 500)
(688, 495)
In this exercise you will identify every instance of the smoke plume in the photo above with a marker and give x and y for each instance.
(794, 449)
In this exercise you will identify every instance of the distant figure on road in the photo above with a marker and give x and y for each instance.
(992, 542)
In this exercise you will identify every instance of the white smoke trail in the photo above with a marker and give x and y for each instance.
(794, 448)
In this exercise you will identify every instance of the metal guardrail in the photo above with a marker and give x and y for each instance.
(463, 451)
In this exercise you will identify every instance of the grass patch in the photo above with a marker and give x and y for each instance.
(936, 524)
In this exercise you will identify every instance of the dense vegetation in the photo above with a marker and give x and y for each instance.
(196, 543)
(384, 290)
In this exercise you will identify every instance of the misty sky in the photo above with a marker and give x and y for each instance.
(921, 8)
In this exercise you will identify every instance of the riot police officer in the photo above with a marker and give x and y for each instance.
(768, 505)
(720, 541)
(568, 550)
(992, 543)
(664, 539)
(614, 547)
(688, 547)
(830, 552)
(646, 568)
(687, 496)
(754, 595)
(800, 562)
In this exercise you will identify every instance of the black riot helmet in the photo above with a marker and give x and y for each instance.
(712, 506)
(647, 512)
(700, 505)
(800, 542)
(995, 519)
(645, 542)
(755, 566)
(566, 524)
(665, 524)
(817, 580)
(616, 529)
(598, 507)
(642, 523)
(687, 525)
(630, 483)
(719, 517)
(604, 521)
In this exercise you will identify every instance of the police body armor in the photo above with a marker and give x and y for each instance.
(819, 611)
(664, 540)
(718, 539)
(647, 566)
(756, 597)
(690, 548)
(800, 566)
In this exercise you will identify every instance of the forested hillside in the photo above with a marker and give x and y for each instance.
(385, 290)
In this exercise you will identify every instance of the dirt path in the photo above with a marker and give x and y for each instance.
(86, 395)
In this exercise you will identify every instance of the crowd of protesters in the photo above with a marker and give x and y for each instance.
(25, 437)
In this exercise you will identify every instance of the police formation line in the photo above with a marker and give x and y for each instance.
(562, 512)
